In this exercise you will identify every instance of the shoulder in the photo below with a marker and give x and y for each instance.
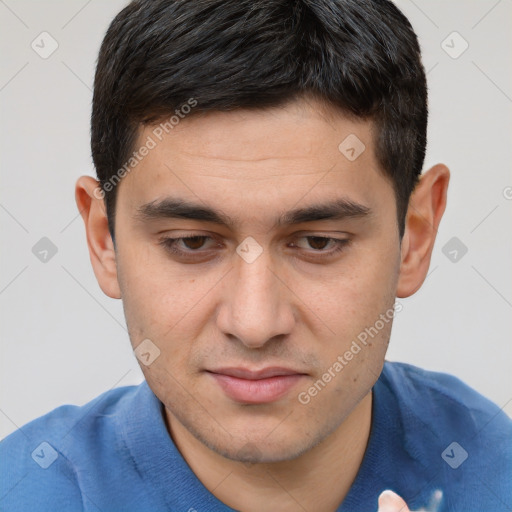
(446, 397)
(460, 439)
(36, 458)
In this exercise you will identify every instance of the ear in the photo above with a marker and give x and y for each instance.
(426, 207)
(89, 199)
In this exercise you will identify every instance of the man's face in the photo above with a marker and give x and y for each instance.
(285, 299)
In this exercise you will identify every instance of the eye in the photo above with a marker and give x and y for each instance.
(193, 247)
(317, 244)
(192, 244)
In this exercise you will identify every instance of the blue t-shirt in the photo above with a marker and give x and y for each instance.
(435, 441)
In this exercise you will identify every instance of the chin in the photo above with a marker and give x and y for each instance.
(261, 453)
(257, 448)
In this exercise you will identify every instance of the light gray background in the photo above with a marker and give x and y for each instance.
(63, 341)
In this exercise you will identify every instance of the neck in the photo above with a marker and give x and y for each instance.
(317, 480)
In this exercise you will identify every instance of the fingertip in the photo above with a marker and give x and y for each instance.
(389, 501)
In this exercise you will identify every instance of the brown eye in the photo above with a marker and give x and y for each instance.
(185, 246)
(318, 247)
(194, 242)
(318, 242)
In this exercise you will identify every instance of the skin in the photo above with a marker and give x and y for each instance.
(284, 309)
(389, 501)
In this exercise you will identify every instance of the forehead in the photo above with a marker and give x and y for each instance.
(257, 161)
(299, 129)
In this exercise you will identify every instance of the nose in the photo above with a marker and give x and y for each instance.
(256, 305)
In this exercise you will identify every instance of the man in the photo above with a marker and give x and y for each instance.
(258, 209)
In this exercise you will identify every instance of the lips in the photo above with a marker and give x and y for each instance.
(256, 386)
(265, 373)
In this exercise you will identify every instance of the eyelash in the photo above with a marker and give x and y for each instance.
(169, 245)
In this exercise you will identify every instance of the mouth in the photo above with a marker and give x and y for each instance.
(256, 386)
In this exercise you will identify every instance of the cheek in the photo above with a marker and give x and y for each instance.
(355, 307)
(351, 296)
(351, 368)
(161, 300)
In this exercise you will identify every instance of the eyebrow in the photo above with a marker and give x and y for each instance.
(176, 208)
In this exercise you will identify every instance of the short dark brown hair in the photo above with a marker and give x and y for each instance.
(361, 56)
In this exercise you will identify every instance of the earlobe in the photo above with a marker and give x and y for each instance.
(426, 208)
(101, 248)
